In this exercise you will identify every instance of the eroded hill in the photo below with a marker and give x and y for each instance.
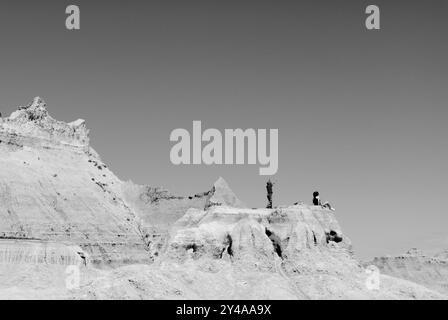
(62, 207)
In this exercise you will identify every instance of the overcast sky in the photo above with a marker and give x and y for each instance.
(362, 115)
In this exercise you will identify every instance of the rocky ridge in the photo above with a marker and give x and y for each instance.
(60, 206)
(415, 266)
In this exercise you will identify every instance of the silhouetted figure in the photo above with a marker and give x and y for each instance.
(316, 198)
(269, 186)
(318, 202)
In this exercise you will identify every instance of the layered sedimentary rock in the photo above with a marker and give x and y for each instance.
(32, 126)
(41, 252)
(414, 265)
(257, 234)
(235, 253)
(158, 209)
(54, 187)
(61, 206)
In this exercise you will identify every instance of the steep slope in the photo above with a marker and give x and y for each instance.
(294, 252)
(55, 188)
(158, 209)
(61, 207)
(429, 271)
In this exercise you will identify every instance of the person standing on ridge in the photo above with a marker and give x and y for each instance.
(269, 186)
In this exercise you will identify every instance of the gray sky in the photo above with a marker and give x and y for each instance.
(361, 114)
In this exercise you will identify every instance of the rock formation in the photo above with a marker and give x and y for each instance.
(61, 206)
(32, 126)
(236, 253)
(222, 195)
(55, 188)
(414, 265)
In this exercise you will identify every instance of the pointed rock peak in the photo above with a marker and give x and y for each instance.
(34, 120)
(221, 183)
(222, 195)
(36, 110)
(37, 103)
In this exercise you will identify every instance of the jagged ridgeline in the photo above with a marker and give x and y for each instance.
(54, 188)
(60, 205)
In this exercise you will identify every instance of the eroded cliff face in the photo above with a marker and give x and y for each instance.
(60, 206)
(19, 252)
(257, 238)
(296, 252)
(32, 126)
(158, 209)
(414, 265)
(54, 187)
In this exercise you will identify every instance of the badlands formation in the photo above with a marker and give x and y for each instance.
(414, 265)
(62, 210)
